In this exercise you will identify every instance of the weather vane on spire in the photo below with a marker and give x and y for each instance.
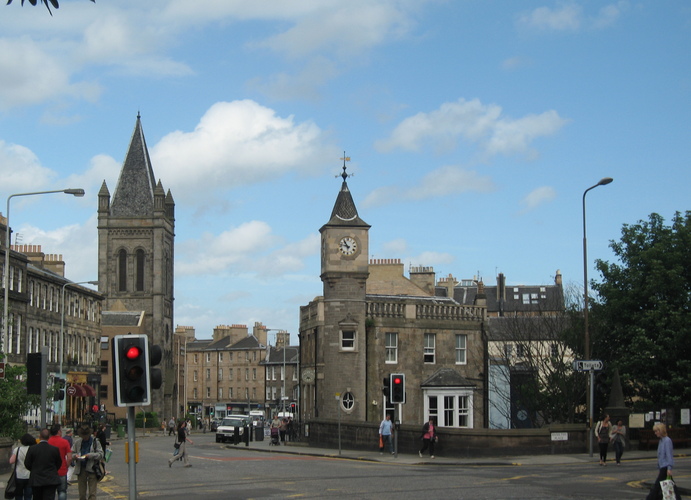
(344, 174)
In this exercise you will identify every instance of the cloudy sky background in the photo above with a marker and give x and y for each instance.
(473, 129)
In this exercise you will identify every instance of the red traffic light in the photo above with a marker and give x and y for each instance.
(397, 380)
(94, 408)
(133, 352)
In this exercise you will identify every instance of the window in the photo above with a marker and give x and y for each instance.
(254, 374)
(391, 347)
(208, 374)
(104, 343)
(508, 350)
(103, 392)
(194, 393)
(555, 350)
(230, 374)
(140, 261)
(104, 367)
(230, 393)
(122, 270)
(220, 356)
(461, 349)
(208, 357)
(348, 401)
(196, 358)
(247, 373)
(220, 374)
(208, 392)
(429, 347)
(520, 350)
(348, 340)
(230, 356)
(450, 407)
(220, 393)
(273, 373)
(194, 375)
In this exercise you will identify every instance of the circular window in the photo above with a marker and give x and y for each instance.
(348, 401)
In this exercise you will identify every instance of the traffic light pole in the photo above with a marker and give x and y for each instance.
(131, 455)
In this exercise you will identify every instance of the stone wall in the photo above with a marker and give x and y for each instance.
(459, 443)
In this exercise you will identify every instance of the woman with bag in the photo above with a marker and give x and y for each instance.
(22, 489)
(618, 438)
(665, 464)
(181, 450)
(429, 437)
(602, 430)
(87, 452)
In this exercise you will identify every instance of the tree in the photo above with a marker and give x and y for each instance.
(54, 3)
(642, 314)
(15, 402)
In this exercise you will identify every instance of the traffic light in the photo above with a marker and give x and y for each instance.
(387, 387)
(293, 407)
(131, 370)
(35, 376)
(397, 388)
(155, 375)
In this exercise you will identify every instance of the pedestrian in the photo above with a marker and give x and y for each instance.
(70, 466)
(43, 460)
(665, 462)
(182, 439)
(188, 426)
(386, 433)
(63, 445)
(602, 431)
(87, 452)
(282, 429)
(23, 491)
(618, 438)
(171, 426)
(429, 437)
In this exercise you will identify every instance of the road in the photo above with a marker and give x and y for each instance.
(229, 472)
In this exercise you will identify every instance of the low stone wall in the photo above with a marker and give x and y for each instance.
(6, 445)
(459, 443)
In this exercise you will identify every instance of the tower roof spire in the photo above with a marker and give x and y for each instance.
(344, 212)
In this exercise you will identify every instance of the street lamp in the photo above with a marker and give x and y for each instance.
(603, 182)
(62, 329)
(6, 274)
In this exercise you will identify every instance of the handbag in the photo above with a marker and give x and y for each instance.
(381, 442)
(667, 487)
(177, 446)
(108, 454)
(11, 487)
(99, 469)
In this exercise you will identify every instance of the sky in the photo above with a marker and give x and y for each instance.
(473, 130)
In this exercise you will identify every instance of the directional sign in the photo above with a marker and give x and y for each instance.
(581, 365)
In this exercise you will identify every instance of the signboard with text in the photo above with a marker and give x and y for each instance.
(581, 365)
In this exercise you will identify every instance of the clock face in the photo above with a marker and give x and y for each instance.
(347, 245)
(308, 375)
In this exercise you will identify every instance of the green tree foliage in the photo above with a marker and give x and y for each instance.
(48, 3)
(15, 402)
(642, 316)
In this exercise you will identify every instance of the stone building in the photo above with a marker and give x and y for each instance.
(281, 376)
(136, 233)
(372, 321)
(41, 300)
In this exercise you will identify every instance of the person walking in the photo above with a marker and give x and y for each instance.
(182, 439)
(87, 451)
(171, 426)
(386, 433)
(665, 462)
(23, 491)
(63, 445)
(429, 437)
(618, 438)
(602, 431)
(43, 460)
(70, 466)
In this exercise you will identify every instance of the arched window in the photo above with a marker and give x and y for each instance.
(122, 270)
(141, 258)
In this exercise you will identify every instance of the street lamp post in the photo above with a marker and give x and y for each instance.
(62, 329)
(604, 181)
(6, 274)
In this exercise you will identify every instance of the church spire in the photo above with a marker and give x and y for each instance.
(134, 194)
(344, 211)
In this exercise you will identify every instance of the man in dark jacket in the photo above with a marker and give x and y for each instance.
(44, 461)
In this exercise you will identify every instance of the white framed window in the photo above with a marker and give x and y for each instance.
(208, 374)
(451, 407)
(391, 347)
(208, 392)
(194, 376)
(429, 348)
(220, 374)
(230, 393)
(220, 393)
(461, 349)
(220, 356)
(208, 357)
(347, 340)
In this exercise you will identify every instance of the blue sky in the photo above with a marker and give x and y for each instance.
(473, 129)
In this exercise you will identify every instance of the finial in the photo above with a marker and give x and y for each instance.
(138, 115)
(344, 174)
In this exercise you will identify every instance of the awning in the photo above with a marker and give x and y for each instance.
(81, 391)
(88, 391)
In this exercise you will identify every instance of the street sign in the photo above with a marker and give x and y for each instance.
(71, 390)
(581, 365)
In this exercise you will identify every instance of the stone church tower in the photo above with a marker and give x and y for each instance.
(343, 346)
(136, 233)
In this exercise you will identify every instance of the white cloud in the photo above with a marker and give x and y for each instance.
(566, 17)
(537, 197)
(395, 247)
(237, 143)
(474, 122)
(444, 181)
(21, 170)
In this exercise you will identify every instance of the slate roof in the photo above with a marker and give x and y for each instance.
(249, 342)
(447, 377)
(344, 212)
(275, 355)
(121, 318)
(525, 328)
(539, 297)
(134, 194)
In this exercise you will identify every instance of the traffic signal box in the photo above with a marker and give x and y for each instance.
(397, 384)
(387, 388)
(134, 376)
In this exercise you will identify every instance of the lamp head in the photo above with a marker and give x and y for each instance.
(78, 192)
(604, 181)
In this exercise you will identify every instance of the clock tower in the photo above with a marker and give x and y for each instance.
(344, 271)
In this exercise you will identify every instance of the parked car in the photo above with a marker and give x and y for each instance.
(226, 429)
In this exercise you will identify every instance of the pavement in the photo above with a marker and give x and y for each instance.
(299, 448)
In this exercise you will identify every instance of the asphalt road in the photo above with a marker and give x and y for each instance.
(236, 472)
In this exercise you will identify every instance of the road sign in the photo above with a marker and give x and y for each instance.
(581, 365)
(71, 390)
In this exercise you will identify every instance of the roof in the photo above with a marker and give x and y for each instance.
(275, 355)
(134, 194)
(518, 298)
(122, 318)
(249, 342)
(526, 328)
(344, 212)
(447, 377)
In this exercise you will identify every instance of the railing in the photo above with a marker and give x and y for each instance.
(386, 309)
